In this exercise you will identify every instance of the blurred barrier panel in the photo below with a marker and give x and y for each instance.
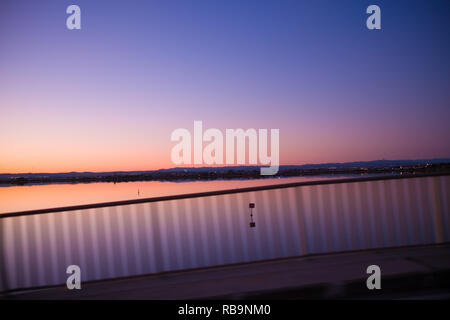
(152, 237)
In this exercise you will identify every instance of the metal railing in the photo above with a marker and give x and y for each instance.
(146, 236)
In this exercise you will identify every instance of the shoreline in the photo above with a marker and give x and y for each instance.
(211, 174)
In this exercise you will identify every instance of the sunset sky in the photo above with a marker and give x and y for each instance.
(107, 97)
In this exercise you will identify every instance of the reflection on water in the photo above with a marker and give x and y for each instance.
(199, 232)
(20, 198)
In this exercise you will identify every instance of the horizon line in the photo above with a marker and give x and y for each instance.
(239, 166)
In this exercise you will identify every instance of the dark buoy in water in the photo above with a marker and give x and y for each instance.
(252, 223)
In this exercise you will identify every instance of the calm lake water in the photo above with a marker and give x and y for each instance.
(30, 197)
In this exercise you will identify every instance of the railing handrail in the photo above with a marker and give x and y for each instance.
(219, 192)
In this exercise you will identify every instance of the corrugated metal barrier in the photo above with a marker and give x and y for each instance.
(192, 231)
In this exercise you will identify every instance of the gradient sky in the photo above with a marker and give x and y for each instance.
(108, 96)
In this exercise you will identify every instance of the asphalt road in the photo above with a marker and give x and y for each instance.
(406, 273)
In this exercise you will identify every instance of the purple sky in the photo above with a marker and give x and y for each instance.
(108, 96)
